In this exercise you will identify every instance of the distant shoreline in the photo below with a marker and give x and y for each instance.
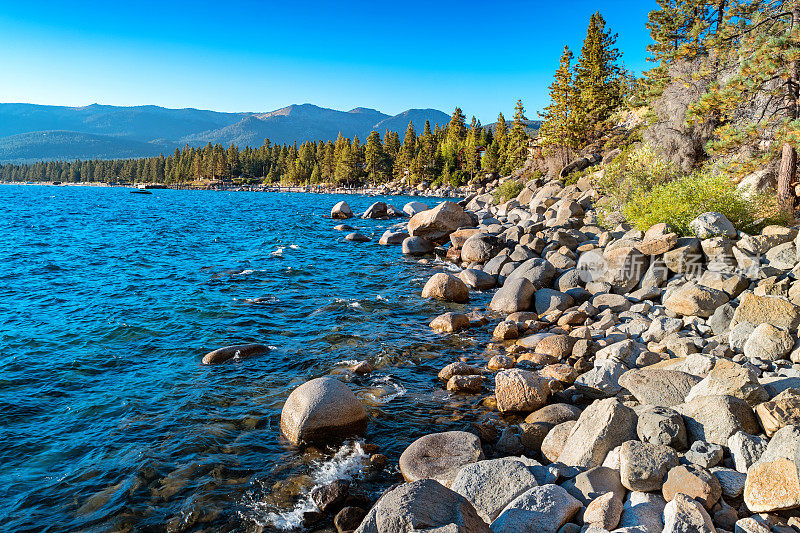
(364, 191)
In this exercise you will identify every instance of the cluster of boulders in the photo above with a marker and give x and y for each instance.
(647, 381)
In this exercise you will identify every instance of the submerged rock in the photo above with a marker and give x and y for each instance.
(321, 410)
(440, 456)
(237, 351)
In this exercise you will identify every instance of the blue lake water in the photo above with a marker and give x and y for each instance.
(109, 300)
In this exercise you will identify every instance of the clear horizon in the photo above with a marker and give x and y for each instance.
(250, 57)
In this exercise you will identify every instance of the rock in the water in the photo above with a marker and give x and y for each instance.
(423, 505)
(492, 484)
(392, 237)
(320, 410)
(470, 384)
(457, 369)
(417, 246)
(437, 223)
(329, 498)
(440, 456)
(357, 237)
(695, 300)
(238, 351)
(520, 390)
(450, 323)
(477, 279)
(602, 426)
(768, 343)
(446, 287)
(642, 466)
(341, 210)
(729, 378)
(656, 386)
(685, 515)
(715, 418)
(348, 519)
(542, 509)
(412, 208)
(781, 411)
(514, 296)
(712, 224)
(693, 481)
(376, 210)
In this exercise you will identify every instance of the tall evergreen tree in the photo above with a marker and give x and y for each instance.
(517, 148)
(559, 129)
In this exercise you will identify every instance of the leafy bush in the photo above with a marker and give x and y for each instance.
(638, 168)
(680, 201)
(507, 190)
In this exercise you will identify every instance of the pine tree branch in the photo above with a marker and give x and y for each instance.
(773, 19)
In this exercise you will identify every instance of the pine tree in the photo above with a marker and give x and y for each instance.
(375, 158)
(517, 148)
(558, 128)
(597, 80)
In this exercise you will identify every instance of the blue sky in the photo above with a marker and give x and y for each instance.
(259, 56)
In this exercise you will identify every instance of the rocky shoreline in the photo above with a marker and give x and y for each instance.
(645, 381)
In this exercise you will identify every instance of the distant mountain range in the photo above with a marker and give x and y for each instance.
(30, 132)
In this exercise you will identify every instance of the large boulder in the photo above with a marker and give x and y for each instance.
(413, 207)
(657, 386)
(773, 486)
(392, 237)
(768, 343)
(437, 223)
(774, 310)
(520, 390)
(642, 466)
(712, 224)
(376, 210)
(602, 426)
(729, 378)
(423, 505)
(538, 271)
(341, 211)
(480, 248)
(716, 418)
(443, 286)
(492, 484)
(625, 267)
(237, 351)
(417, 246)
(440, 456)
(542, 509)
(781, 411)
(695, 300)
(515, 295)
(477, 279)
(320, 410)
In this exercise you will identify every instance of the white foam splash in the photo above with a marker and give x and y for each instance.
(386, 382)
(278, 251)
(346, 463)
(294, 247)
(348, 362)
(381, 298)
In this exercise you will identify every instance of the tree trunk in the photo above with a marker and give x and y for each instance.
(788, 166)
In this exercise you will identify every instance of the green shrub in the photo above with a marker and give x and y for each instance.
(680, 201)
(507, 190)
(638, 168)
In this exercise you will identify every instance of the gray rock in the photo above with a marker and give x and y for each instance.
(480, 248)
(625, 268)
(593, 483)
(602, 426)
(514, 296)
(376, 210)
(412, 208)
(492, 484)
(642, 466)
(729, 378)
(685, 515)
(712, 224)
(547, 300)
(440, 456)
(704, 454)
(746, 449)
(738, 335)
(643, 512)
(320, 410)
(656, 386)
(695, 300)
(602, 381)
(768, 343)
(417, 246)
(237, 351)
(715, 418)
(357, 237)
(392, 237)
(782, 445)
(519, 390)
(341, 210)
(538, 271)
(542, 509)
(438, 223)
(731, 481)
(423, 505)
(661, 425)
(720, 321)
(477, 279)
